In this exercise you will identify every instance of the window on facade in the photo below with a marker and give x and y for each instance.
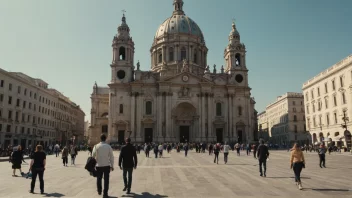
(25, 91)
(294, 102)
(326, 103)
(239, 110)
(10, 100)
(313, 107)
(335, 118)
(19, 89)
(308, 121)
(104, 129)
(295, 118)
(341, 81)
(9, 115)
(312, 93)
(335, 103)
(121, 108)
(326, 87)
(160, 58)
(295, 128)
(218, 109)
(148, 108)
(238, 60)
(333, 85)
(294, 109)
(195, 57)
(17, 102)
(171, 54)
(327, 119)
(23, 116)
(24, 104)
(10, 87)
(343, 98)
(307, 96)
(2, 82)
(8, 128)
(1, 97)
(183, 53)
(314, 122)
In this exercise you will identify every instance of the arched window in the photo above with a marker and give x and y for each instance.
(195, 57)
(148, 108)
(295, 118)
(121, 108)
(295, 128)
(104, 115)
(183, 53)
(122, 53)
(171, 54)
(104, 129)
(238, 60)
(160, 58)
(218, 109)
(239, 110)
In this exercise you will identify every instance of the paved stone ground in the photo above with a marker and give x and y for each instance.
(194, 176)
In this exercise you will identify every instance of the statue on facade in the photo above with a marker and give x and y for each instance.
(184, 92)
(138, 66)
(185, 67)
(207, 69)
(222, 69)
(214, 70)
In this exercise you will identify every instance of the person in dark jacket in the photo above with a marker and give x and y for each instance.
(321, 153)
(128, 160)
(262, 155)
(16, 159)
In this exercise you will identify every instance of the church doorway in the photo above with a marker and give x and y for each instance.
(219, 135)
(239, 136)
(121, 136)
(184, 134)
(148, 135)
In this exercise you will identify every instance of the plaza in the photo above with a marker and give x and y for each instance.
(192, 176)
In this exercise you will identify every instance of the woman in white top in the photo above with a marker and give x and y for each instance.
(226, 151)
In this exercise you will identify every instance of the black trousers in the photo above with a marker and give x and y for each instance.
(322, 160)
(127, 180)
(262, 162)
(216, 158)
(34, 178)
(105, 170)
(297, 169)
(64, 160)
(225, 157)
(147, 153)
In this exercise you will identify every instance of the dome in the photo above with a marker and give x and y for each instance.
(179, 24)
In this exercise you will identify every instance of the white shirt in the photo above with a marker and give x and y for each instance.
(102, 152)
(161, 147)
(226, 148)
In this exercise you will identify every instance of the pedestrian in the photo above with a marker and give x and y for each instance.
(56, 149)
(185, 147)
(321, 153)
(64, 156)
(226, 152)
(216, 152)
(248, 148)
(73, 153)
(127, 162)
(262, 155)
(237, 146)
(16, 159)
(160, 148)
(37, 167)
(210, 148)
(90, 150)
(255, 150)
(104, 156)
(297, 163)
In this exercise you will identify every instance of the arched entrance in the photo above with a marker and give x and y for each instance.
(121, 131)
(184, 116)
(240, 132)
(314, 137)
(321, 137)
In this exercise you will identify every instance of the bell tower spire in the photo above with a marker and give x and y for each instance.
(178, 5)
(123, 54)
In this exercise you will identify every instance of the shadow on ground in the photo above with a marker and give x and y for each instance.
(54, 195)
(330, 190)
(287, 177)
(144, 195)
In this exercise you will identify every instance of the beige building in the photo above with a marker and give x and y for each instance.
(263, 126)
(328, 103)
(30, 112)
(284, 120)
(179, 99)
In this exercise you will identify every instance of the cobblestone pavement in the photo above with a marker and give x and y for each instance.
(192, 176)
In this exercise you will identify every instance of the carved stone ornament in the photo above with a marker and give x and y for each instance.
(184, 92)
(185, 67)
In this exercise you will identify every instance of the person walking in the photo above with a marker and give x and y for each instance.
(160, 148)
(16, 159)
(262, 155)
(185, 147)
(321, 153)
(248, 149)
(56, 149)
(127, 162)
(255, 147)
(216, 153)
(64, 156)
(297, 163)
(226, 151)
(104, 156)
(73, 153)
(37, 167)
(237, 147)
(156, 150)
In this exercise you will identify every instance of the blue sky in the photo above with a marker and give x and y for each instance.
(68, 43)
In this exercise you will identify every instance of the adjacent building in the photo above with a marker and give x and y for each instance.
(179, 99)
(284, 120)
(263, 127)
(30, 113)
(328, 104)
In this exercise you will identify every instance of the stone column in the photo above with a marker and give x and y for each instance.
(200, 117)
(159, 121)
(139, 118)
(210, 115)
(190, 53)
(164, 53)
(167, 116)
(133, 106)
(177, 53)
(203, 115)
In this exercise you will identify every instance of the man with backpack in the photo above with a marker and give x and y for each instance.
(262, 155)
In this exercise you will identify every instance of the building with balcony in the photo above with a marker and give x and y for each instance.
(328, 104)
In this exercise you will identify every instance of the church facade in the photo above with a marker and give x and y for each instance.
(179, 99)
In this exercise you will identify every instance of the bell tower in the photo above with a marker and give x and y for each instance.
(235, 57)
(123, 54)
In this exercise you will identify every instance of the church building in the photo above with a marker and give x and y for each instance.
(180, 99)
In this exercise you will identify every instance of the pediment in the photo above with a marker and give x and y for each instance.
(186, 78)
